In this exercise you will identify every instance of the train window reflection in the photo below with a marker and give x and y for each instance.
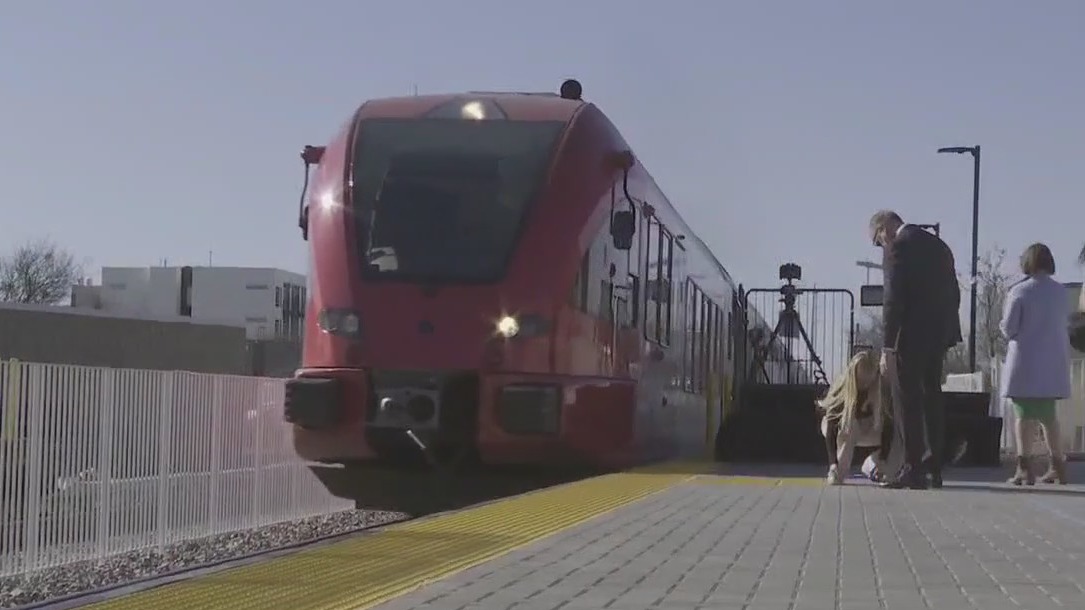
(440, 199)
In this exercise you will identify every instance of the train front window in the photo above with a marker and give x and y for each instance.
(444, 199)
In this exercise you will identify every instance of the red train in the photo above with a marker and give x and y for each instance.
(496, 280)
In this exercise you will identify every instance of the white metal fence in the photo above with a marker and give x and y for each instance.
(96, 461)
(1071, 414)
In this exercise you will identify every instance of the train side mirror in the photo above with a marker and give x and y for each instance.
(310, 156)
(623, 225)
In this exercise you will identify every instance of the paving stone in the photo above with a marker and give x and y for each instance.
(753, 546)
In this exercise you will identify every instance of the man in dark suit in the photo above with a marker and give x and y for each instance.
(920, 322)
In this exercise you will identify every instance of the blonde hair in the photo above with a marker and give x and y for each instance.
(842, 401)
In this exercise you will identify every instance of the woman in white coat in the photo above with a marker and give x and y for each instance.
(1037, 370)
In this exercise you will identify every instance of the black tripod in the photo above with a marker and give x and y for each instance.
(790, 325)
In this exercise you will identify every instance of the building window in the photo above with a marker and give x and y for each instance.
(278, 327)
(278, 296)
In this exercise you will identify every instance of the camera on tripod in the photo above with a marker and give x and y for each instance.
(790, 272)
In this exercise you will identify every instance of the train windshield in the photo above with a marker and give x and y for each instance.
(443, 200)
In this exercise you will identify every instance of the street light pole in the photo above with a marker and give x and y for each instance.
(975, 152)
(868, 265)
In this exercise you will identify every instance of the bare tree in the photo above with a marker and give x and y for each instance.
(1081, 256)
(993, 284)
(38, 272)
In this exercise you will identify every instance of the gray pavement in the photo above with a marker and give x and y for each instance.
(719, 542)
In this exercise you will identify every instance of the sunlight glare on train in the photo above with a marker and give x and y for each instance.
(328, 202)
(473, 110)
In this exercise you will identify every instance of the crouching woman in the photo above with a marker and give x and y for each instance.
(854, 413)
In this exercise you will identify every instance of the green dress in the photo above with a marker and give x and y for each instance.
(1042, 409)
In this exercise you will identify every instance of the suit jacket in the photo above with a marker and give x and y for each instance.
(1038, 356)
(922, 298)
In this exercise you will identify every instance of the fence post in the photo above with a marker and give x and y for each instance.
(11, 401)
(165, 416)
(12, 465)
(258, 453)
(105, 460)
(216, 455)
(34, 483)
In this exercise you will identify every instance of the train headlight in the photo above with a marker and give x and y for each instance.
(342, 322)
(521, 325)
(508, 327)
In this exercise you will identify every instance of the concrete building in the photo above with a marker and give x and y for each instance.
(270, 303)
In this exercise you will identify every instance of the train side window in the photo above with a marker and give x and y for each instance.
(606, 299)
(658, 270)
(687, 326)
(710, 334)
(658, 292)
(585, 270)
(729, 339)
(694, 336)
(578, 296)
(721, 332)
(666, 268)
(651, 256)
(716, 332)
(702, 347)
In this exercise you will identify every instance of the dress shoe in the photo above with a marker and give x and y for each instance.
(909, 479)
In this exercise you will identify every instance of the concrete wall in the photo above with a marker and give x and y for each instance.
(73, 336)
(276, 358)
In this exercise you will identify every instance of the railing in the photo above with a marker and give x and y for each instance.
(95, 462)
(1071, 414)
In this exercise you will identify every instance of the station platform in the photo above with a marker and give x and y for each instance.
(690, 536)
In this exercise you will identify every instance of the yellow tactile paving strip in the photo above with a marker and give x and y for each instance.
(370, 569)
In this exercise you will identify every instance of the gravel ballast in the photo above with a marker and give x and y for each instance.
(84, 577)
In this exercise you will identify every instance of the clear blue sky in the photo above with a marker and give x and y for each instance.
(140, 130)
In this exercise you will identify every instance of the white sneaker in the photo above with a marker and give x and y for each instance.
(833, 478)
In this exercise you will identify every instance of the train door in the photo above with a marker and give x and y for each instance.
(650, 396)
(707, 389)
(623, 290)
(720, 362)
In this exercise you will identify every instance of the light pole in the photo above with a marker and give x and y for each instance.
(868, 265)
(975, 152)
